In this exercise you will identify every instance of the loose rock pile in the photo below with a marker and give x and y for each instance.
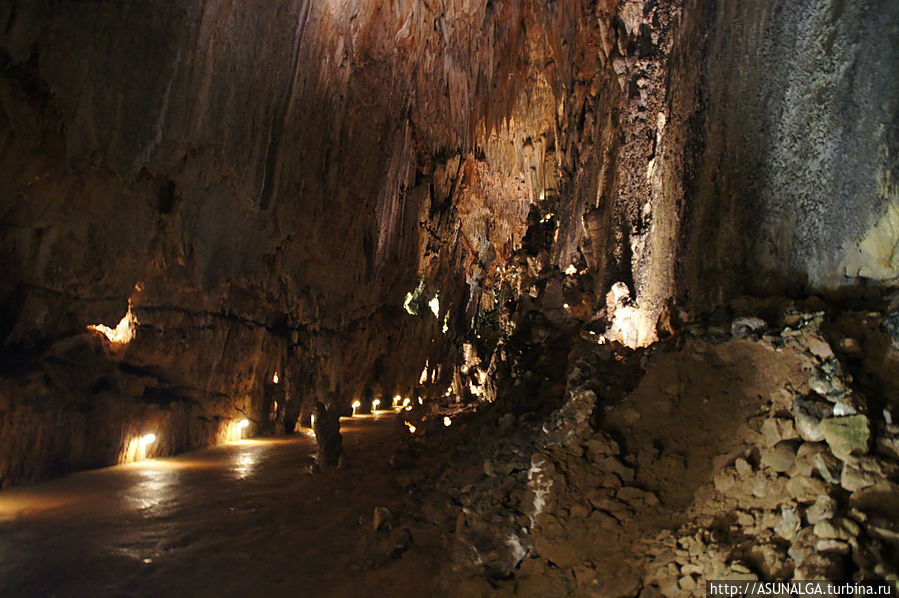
(725, 454)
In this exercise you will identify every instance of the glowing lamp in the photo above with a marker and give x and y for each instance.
(406, 402)
(447, 421)
(312, 421)
(243, 424)
(123, 333)
(375, 404)
(143, 443)
(570, 270)
(275, 378)
(411, 427)
(356, 405)
(396, 400)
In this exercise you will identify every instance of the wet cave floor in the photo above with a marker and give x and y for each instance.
(244, 519)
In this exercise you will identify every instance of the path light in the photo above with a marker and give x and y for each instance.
(375, 404)
(447, 421)
(356, 405)
(570, 270)
(243, 424)
(312, 421)
(411, 427)
(275, 378)
(396, 400)
(406, 402)
(145, 441)
(565, 305)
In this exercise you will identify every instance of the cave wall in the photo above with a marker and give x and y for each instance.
(776, 165)
(262, 184)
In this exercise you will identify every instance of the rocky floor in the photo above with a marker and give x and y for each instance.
(752, 451)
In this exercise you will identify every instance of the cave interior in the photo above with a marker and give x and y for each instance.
(569, 298)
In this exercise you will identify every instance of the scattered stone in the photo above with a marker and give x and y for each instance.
(776, 429)
(829, 380)
(819, 348)
(805, 457)
(768, 519)
(828, 466)
(824, 508)
(845, 405)
(838, 546)
(743, 467)
(780, 458)
(809, 412)
(881, 499)
(862, 472)
(781, 400)
(802, 546)
(789, 524)
(838, 528)
(846, 435)
(741, 327)
(804, 489)
(687, 583)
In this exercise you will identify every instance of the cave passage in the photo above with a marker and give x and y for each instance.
(243, 519)
(582, 298)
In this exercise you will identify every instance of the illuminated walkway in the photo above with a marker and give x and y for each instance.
(239, 520)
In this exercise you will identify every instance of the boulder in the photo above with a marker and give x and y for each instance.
(846, 435)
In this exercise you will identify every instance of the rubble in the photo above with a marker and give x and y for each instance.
(846, 435)
(618, 495)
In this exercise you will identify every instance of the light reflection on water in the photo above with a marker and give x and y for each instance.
(244, 462)
(188, 525)
(140, 485)
(156, 486)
